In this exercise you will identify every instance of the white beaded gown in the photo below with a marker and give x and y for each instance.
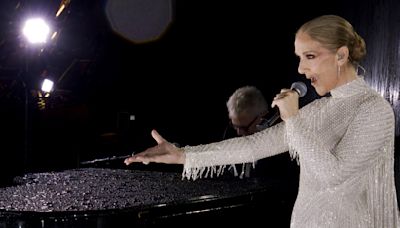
(345, 147)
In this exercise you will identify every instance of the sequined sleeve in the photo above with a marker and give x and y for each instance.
(211, 159)
(364, 143)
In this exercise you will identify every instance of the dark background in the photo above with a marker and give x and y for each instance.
(177, 84)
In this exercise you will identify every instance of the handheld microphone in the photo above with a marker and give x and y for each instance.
(300, 88)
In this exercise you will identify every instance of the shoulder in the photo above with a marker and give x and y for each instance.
(377, 107)
(315, 104)
(376, 102)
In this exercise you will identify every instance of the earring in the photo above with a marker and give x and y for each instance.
(362, 68)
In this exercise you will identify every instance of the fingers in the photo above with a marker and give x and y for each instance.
(164, 152)
(283, 94)
(130, 160)
(149, 155)
(140, 157)
(273, 104)
(136, 158)
(145, 158)
(159, 139)
(279, 96)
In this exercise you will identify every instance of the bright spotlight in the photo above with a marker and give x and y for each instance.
(36, 30)
(47, 85)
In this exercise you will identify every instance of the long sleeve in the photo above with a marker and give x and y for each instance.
(345, 146)
(362, 145)
(212, 159)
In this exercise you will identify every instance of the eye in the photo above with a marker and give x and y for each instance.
(310, 56)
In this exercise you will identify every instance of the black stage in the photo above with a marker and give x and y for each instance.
(102, 197)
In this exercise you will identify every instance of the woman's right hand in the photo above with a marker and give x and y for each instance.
(288, 103)
(164, 152)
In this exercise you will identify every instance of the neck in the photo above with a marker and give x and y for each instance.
(347, 74)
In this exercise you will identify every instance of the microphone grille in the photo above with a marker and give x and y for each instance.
(300, 88)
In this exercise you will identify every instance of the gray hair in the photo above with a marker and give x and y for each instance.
(246, 99)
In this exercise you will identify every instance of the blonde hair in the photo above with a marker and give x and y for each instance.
(334, 32)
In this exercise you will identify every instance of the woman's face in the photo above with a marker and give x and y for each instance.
(317, 63)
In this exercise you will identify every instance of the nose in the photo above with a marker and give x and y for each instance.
(301, 68)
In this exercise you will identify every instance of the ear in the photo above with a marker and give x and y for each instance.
(342, 55)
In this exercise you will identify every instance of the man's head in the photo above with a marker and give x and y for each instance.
(246, 108)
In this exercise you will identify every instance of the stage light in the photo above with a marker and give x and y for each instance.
(47, 85)
(36, 30)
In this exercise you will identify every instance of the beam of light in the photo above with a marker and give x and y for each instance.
(63, 5)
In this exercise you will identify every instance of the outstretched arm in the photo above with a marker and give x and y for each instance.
(163, 152)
